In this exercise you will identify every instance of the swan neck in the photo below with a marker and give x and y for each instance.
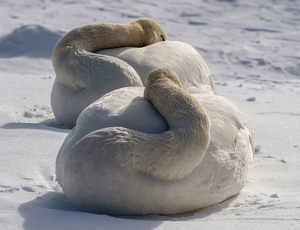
(175, 153)
(95, 37)
(180, 109)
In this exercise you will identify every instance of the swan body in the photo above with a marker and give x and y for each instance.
(95, 59)
(182, 58)
(176, 154)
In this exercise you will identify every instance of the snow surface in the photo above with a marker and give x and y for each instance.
(253, 51)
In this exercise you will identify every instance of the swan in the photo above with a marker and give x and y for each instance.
(155, 150)
(95, 59)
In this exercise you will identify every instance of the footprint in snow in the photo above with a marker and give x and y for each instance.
(39, 111)
(251, 99)
(8, 189)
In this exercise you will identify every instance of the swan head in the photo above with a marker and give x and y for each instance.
(152, 31)
(159, 75)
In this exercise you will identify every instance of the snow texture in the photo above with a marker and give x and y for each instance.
(252, 49)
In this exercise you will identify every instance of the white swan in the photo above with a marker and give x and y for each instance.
(83, 76)
(192, 152)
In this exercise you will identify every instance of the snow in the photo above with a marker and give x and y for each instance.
(252, 49)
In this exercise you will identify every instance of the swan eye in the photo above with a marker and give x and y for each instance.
(162, 37)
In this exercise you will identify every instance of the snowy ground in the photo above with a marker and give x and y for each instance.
(253, 51)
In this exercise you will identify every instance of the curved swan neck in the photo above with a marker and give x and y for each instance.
(173, 103)
(73, 56)
(178, 107)
(175, 153)
(95, 37)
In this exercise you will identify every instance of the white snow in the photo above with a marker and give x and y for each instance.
(253, 51)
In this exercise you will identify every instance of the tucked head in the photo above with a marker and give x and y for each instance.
(162, 74)
(161, 77)
(152, 31)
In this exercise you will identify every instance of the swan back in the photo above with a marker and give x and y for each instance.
(182, 58)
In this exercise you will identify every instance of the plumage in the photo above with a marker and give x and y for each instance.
(94, 179)
(157, 143)
(83, 76)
